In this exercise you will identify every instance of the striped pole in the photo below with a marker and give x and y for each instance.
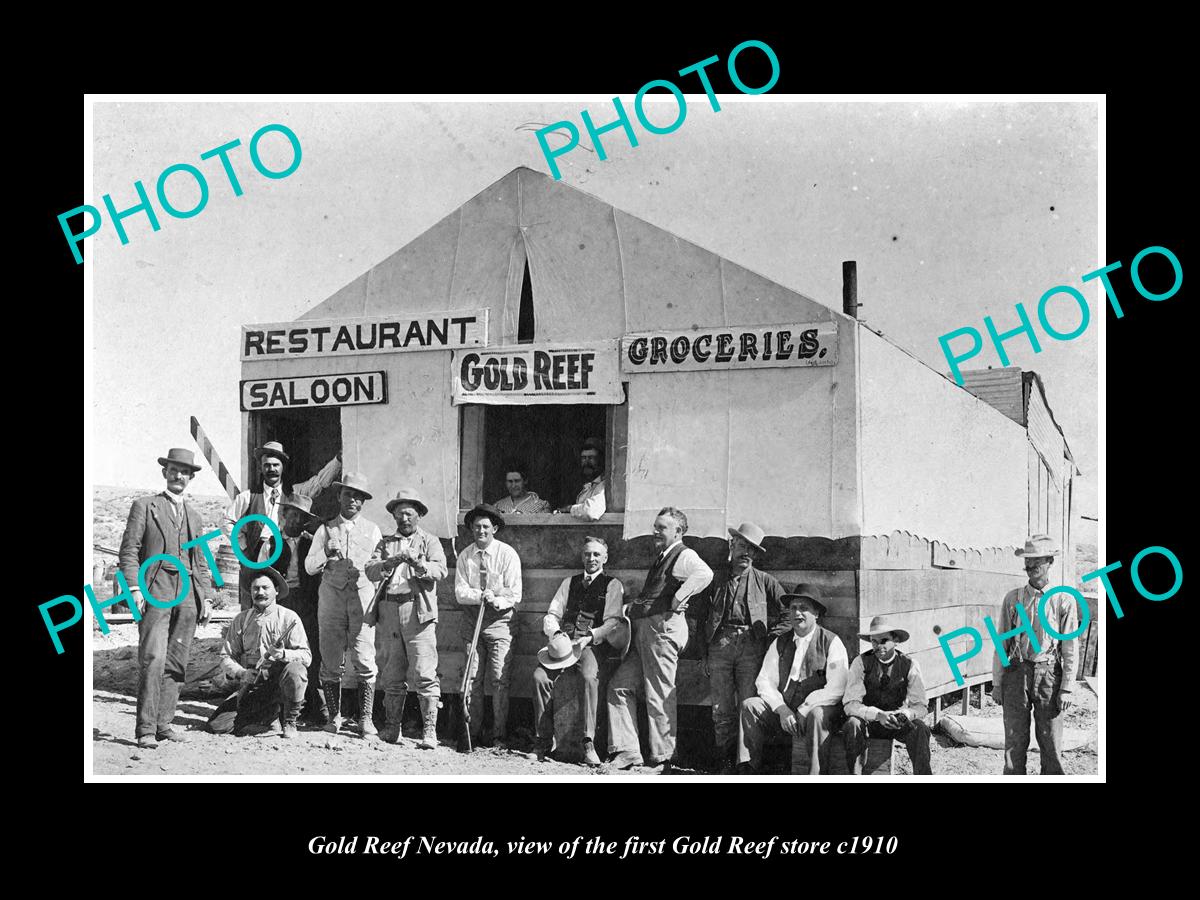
(214, 460)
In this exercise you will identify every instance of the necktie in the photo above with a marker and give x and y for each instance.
(274, 496)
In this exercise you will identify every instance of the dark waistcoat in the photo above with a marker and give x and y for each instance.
(889, 695)
(658, 593)
(812, 667)
(585, 604)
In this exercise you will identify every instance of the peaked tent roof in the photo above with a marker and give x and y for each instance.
(597, 272)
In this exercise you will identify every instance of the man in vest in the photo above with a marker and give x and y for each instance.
(157, 525)
(301, 595)
(885, 698)
(345, 618)
(741, 612)
(488, 573)
(254, 538)
(800, 687)
(413, 562)
(1041, 669)
(660, 632)
(585, 609)
(266, 648)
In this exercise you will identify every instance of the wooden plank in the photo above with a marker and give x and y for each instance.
(472, 456)
(618, 448)
(898, 592)
(901, 550)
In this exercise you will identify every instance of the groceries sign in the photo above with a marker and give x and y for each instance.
(730, 347)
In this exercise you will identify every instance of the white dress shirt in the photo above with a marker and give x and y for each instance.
(614, 597)
(271, 500)
(504, 575)
(836, 668)
(357, 538)
(692, 571)
(590, 503)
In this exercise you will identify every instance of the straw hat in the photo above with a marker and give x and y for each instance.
(560, 652)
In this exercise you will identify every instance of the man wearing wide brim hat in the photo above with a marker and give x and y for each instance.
(585, 612)
(298, 523)
(885, 698)
(271, 464)
(266, 649)
(1040, 675)
(800, 687)
(160, 527)
(411, 562)
(346, 614)
(487, 583)
(741, 610)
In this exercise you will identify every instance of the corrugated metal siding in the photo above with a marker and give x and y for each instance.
(1000, 388)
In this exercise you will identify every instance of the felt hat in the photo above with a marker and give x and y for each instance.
(882, 625)
(484, 509)
(808, 592)
(412, 497)
(180, 457)
(301, 502)
(1040, 545)
(750, 532)
(271, 448)
(281, 585)
(355, 481)
(621, 635)
(560, 652)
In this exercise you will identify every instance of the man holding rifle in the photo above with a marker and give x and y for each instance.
(266, 649)
(410, 563)
(487, 576)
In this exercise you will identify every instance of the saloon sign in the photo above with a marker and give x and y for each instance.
(350, 389)
(578, 373)
(731, 347)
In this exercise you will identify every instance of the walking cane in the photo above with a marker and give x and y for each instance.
(465, 689)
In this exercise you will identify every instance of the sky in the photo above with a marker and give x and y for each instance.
(952, 210)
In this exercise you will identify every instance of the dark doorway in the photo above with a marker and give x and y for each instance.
(310, 437)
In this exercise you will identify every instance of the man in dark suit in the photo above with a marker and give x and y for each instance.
(740, 612)
(162, 526)
(301, 596)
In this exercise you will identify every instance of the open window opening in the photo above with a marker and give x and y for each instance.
(310, 437)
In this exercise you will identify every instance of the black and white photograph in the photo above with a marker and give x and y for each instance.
(509, 438)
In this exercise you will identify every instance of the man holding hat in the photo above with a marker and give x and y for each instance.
(740, 613)
(583, 617)
(341, 549)
(265, 648)
(800, 686)
(254, 538)
(412, 562)
(488, 572)
(162, 525)
(885, 698)
(1041, 669)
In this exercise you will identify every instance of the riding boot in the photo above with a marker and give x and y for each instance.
(366, 708)
(333, 703)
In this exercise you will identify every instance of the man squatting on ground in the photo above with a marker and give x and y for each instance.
(585, 608)
(163, 524)
(740, 613)
(341, 549)
(660, 632)
(255, 538)
(1041, 673)
(266, 649)
(412, 562)
(499, 591)
(800, 687)
(885, 698)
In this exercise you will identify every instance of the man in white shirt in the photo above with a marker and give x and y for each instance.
(885, 698)
(660, 632)
(487, 575)
(590, 504)
(584, 608)
(254, 538)
(345, 620)
(800, 687)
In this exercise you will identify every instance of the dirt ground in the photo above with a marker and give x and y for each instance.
(317, 754)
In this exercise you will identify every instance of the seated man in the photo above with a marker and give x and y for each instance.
(519, 500)
(799, 687)
(584, 611)
(885, 698)
(266, 648)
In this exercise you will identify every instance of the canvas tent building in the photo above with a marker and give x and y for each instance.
(872, 474)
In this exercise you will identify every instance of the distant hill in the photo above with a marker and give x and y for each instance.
(110, 509)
